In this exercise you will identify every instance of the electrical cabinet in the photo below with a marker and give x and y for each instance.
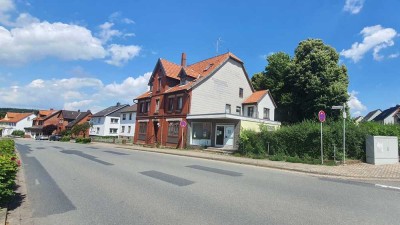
(382, 150)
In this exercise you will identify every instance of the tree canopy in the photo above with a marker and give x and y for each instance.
(80, 128)
(303, 85)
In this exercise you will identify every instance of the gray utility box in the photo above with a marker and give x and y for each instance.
(382, 150)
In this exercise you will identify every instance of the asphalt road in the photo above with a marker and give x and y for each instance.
(71, 183)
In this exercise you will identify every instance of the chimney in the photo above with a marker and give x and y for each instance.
(79, 110)
(183, 60)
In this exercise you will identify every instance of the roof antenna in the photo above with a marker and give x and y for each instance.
(219, 41)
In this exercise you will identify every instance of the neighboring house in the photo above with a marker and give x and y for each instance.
(44, 118)
(107, 121)
(203, 104)
(358, 119)
(389, 116)
(371, 115)
(15, 121)
(128, 121)
(82, 117)
(64, 118)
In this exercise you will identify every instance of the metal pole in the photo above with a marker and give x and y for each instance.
(182, 138)
(334, 153)
(268, 147)
(344, 139)
(322, 151)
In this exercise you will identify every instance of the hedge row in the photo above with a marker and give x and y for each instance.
(303, 140)
(83, 140)
(8, 169)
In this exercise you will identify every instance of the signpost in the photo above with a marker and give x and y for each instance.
(343, 109)
(322, 118)
(183, 124)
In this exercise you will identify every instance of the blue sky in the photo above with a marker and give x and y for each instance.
(90, 54)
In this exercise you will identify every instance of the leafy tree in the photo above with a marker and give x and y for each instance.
(310, 81)
(80, 128)
(48, 130)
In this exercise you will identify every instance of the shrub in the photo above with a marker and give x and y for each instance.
(8, 169)
(19, 133)
(65, 139)
(83, 140)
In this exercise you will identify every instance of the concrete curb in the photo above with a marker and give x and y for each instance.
(3, 216)
(247, 161)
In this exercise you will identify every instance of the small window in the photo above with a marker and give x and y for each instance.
(250, 111)
(240, 92)
(129, 129)
(98, 130)
(239, 110)
(142, 128)
(113, 130)
(266, 113)
(130, 116)
(228, 108)
(179, 103)
(170, 104)
(123, 129)
(173, 129)
(123, 117)
(98, 120)
(157, 105)
(142, 107)
(114, 120)
(147, 105)
(159, 84)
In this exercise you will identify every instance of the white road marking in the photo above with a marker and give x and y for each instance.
(386, 186)
(37, 182)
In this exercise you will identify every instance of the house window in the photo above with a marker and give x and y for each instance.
(250, 111)
(123, 129)
(147, 105)
(179, 103)
(228, 108)
(159, 84)
(239, 110)
(142, 107)
(129, 129)
(98, 120)
(173, 129)
(123, 117)
(266, 113)
(98, 130)
(130, 116)
(28, 119)
(114, 120)
(113, 130)
(170, 104)
(240, 92)
(142, 131)
(157, 105)
(201, 130)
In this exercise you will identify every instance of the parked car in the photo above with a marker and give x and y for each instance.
(42, 137)
(55, 137)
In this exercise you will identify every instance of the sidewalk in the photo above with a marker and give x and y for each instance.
(355, 171)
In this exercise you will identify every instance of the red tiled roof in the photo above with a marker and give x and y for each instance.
(255, 97)
(179, 87)
(12, 117)
(171, 69)
(147, 94)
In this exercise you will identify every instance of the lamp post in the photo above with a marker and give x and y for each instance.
(343, 109)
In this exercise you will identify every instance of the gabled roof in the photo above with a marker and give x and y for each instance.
(386, 113)
(12, 117)
(132, 108)
(255, 97)
(69, 115)
(45, 113)
(370, 115)
(79, 118)
(171, 69)
(111, 111)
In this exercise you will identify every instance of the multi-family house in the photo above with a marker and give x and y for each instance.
(82, 117)
(389, 116)
(15, 121)
(127, 124)
(107, 121)
(371, 115)
(44, 118)
(206, 103)
(64, 118)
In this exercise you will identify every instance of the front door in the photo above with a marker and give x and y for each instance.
(156, 125)
(224, 135)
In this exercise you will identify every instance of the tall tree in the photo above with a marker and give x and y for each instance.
(312, 80)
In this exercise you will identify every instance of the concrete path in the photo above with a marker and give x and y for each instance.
(358, 170)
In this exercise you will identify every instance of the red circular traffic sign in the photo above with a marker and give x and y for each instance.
(183, 123)
(321, 116)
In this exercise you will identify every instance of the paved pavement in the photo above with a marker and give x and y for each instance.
(70, 183)
(358, 170)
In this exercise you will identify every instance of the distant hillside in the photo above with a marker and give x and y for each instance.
(3, 111)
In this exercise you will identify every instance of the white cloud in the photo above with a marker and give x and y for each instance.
(73, 93)
(107, 33)
(28, 39)
(376, 38)
(355, 105)
(353, 6)
(121, 54)
(128, 21)
(395, 55)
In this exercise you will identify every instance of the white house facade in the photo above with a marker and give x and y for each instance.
(15, 121)
(128, 122)
(107, 121)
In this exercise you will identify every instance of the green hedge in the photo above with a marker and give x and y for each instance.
(8, 169)
(19, 133)
(65, 139)
(302, 141)
(83, 140)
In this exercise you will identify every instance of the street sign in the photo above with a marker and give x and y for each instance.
(321, 116)
(183, 123)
